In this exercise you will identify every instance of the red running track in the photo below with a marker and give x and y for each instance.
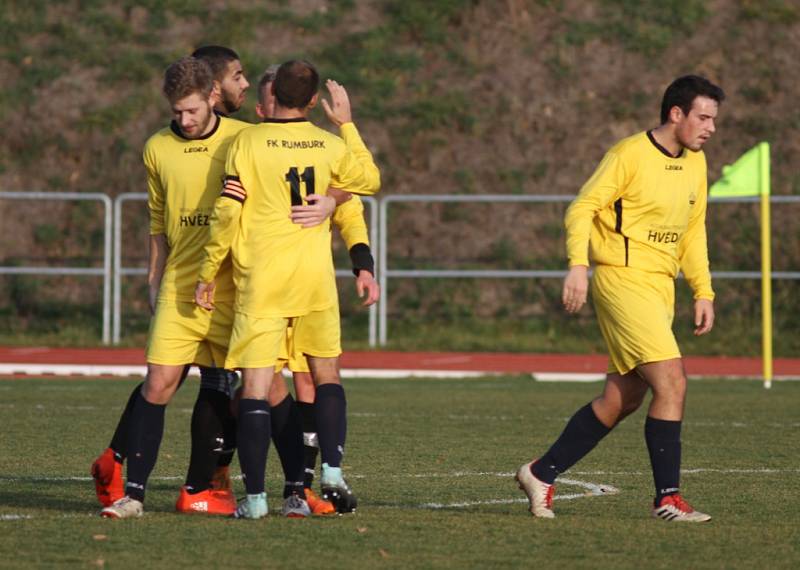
(463, 361)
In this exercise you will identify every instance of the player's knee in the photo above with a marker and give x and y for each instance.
(630, 405)
(324, 370)
(159, 388)
(673, 390)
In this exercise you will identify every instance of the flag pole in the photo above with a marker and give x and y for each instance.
(766, 265)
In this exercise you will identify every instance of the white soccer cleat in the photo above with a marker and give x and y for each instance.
(674, 509)
(252, 507)
(540, 494)
(123, 508)
(295, 508)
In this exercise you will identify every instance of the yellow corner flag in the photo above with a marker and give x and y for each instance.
(750, 176)
(745, 177)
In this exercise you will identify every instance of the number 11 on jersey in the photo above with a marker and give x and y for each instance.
(294, 179)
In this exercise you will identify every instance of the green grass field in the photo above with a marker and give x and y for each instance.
(431, 462)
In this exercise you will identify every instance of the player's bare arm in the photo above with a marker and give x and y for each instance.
(159, 251)
(703, 316)
(576, 286)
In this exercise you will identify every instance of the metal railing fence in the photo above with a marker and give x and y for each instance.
(120, 270)
(379, 237)
(104, 272)
(385, 272)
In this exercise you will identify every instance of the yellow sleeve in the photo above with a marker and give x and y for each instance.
(155, 196)
(605, 186)
(349, 218)
(693, 248)
(222, 231)
(356, 170)
(224, 220)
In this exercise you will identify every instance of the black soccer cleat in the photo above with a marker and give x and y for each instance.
(341, 496)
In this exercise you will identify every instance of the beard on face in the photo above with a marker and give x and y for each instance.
(230, 102)
(201, 127)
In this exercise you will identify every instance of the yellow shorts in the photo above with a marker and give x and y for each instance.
(635, 309)
(289, 357)
(256, 342)
(183, 333)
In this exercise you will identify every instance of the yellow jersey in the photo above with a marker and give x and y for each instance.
(645, 209)
(349, 218)
(280, 268)
(183, 178)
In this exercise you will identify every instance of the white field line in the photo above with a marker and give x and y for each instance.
(458, 474)
(592, 490)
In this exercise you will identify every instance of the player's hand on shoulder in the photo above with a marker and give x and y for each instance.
(338, 110)
(703, 316)
(204, 295)
(576, 288)
(367, 288)
(319, 209)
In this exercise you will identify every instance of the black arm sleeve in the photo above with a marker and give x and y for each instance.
(361, 257)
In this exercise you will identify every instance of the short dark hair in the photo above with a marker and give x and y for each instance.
(217, 57)
(186, 76)
(683, 91)
(296, 82)
(267, 77)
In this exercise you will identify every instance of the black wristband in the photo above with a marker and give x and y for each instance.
(362, 260)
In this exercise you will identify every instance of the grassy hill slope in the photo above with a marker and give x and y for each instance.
(453, 96)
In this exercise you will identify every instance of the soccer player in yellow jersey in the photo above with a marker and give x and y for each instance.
(212, 426)
(285, 412)
(184, 162)
(640, 218)
(284, 273)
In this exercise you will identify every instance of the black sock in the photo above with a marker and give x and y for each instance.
(330, 410)
(287, 435)
(144, 439)
(211, 410)
(310, 442)
(119, 443)
(663, 439)
(253, 438)
(583, 432)
(229, 429)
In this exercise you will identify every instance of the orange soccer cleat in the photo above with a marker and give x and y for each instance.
(318, 505)
(208, 502)
(107, 475)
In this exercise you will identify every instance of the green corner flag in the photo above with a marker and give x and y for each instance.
(744, 177)
(750, 176)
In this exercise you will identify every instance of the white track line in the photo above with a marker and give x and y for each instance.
(34, 369)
